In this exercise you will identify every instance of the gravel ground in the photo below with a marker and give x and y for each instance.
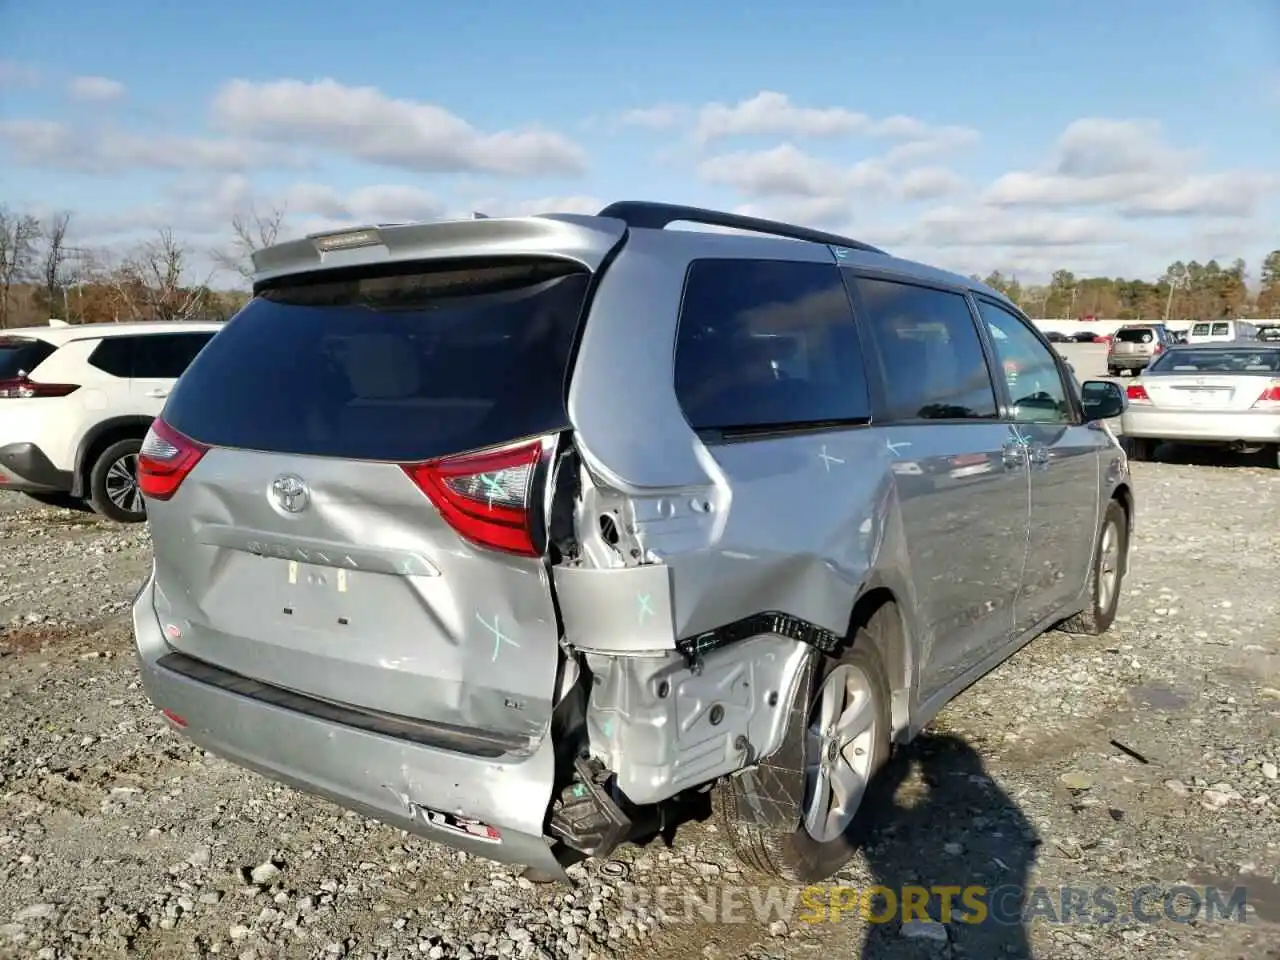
(1145, 758)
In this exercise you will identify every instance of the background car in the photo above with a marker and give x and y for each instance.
(1207, 394)
(75, 403)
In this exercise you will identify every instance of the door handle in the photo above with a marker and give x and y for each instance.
(1014, 454)
(159, 394)
(1040, 454)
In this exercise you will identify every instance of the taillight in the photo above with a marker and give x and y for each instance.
(1270, 397)
(486, 497)
(20, 388)
(1137, 393)
(165, 460)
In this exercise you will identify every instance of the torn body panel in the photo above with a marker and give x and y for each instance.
(664, 726)
(662, 570)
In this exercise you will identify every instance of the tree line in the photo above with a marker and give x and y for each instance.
(44, 274)
(1185, 291)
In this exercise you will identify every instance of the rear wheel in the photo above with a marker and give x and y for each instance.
(1140, 449)
(846, 744)
(113, 483)
(1105, 576)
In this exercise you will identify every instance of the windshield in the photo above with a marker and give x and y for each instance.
(21, 355)
(402, 365)
(1242, 361)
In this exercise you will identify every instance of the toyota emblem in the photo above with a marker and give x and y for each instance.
(290, 493)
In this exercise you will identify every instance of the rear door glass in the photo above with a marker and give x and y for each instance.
(164, 356)
(21, 355)
(1221, 329)
(396, 364)
(765, 344)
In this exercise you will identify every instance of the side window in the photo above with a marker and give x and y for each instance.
(766, 343)
(114, 355)
(1035, 382)
(934, 367)
(164, 356)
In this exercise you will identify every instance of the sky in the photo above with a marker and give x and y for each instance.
(1104, 138)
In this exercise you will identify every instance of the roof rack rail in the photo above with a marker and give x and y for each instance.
(656, 216)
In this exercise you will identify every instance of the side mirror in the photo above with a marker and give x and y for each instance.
(1103, 399)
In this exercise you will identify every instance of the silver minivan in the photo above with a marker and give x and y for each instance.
(527, 534)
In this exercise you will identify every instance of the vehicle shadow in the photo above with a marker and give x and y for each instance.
(1205, 456)
(940, 821)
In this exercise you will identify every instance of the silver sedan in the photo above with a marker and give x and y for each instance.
(1225, 394)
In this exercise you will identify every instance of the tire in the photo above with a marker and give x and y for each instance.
(805, 854)
(1140, 449)
(1106, 575)
(59, 501)
(109, 493)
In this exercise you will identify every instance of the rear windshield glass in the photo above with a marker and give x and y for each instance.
(1243, 360)
(394, 366)
(1136, 335)
(19, 355)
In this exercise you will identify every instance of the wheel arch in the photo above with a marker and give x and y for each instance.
(877, 606)
(98, 438)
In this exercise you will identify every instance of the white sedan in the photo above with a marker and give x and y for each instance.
(1221, 394)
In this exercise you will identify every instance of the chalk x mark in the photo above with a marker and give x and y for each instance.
(893, 447)
(499, 638)
(492, 488)
(827, 459)
(644, 601)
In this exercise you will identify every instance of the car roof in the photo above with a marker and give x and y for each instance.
(423, 239)
(95, 331)
(1228, 345)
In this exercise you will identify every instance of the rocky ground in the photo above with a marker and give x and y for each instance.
(1142, 760)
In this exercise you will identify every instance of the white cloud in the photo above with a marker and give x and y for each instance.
(380, 203)
(365, 124)
(15, 74)
(930, 183)
(770, 113)
(500, 207)
(106, 151)
(1129, 165)
(660, 117)
(785, 170)
(95, 89)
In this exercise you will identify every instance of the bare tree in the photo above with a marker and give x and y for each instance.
(150, 282)
(54, 261)
(18, 236)
(252, 231)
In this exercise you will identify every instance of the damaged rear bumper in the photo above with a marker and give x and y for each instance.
(443, 796)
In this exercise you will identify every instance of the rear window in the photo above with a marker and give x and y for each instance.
(1136, 335)
(1200, 330)
(19, 355)
(1243, 361)
(1221, 329)
(390, 364)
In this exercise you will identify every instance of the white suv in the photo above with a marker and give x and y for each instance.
(75, 403)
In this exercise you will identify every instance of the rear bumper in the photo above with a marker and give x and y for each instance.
(379, 776)
(25, 467)
(1127, 363)
(1201, 427)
